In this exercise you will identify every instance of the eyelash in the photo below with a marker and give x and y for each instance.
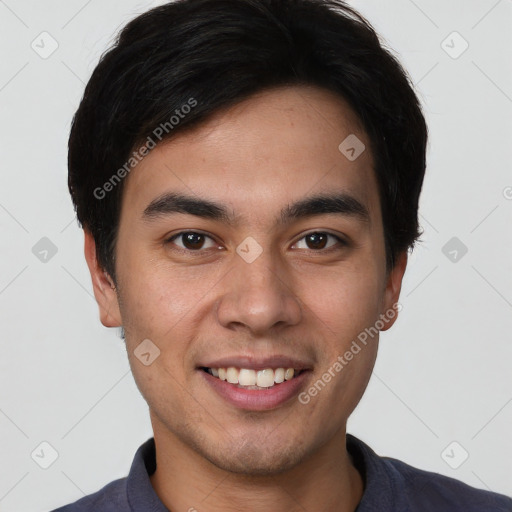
(340, 241)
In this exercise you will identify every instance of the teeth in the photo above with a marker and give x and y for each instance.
(265, 378)
(279, 375)
(232, 375)
(247, 377)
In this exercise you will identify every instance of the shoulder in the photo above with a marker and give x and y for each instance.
(111, 498)
(429, 491)
(394, 486)
(133, 492)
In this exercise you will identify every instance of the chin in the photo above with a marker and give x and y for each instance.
(256, 458)
(257, 464)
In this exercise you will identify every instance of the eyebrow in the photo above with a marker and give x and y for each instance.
(337, 203)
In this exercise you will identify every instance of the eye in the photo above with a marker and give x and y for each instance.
(194, 241)
(191, 240)
(319, 240)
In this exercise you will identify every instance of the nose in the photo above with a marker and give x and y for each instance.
(258, 296)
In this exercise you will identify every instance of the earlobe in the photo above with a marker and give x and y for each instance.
(392, 290)
(103, 285)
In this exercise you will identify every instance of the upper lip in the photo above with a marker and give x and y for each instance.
(257, 362)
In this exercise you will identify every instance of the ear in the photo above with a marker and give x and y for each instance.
(103, 285)
(392, 290)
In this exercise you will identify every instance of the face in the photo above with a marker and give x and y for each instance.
(264, 278)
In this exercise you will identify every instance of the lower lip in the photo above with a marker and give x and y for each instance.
(257, 399)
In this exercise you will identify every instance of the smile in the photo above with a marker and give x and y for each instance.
(255, 389)
(253, 379)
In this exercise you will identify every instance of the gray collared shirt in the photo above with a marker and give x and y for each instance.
(390, 486)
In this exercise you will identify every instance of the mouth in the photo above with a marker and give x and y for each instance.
(255, 389)
(248, 378)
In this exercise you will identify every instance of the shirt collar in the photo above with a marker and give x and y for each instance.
(381, 490)
(383, 484)
(141, 495)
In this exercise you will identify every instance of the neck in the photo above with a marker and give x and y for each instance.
(186, 481)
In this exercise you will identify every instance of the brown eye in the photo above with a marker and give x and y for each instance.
(316, 240)
(191, 240)
(319, 240)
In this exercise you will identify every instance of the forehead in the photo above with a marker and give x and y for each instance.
(269, 150)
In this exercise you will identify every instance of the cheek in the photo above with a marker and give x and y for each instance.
(346, 301)
(166, 306)
(157, 300)
(155, 309)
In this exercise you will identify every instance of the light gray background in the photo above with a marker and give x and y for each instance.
(443, 372)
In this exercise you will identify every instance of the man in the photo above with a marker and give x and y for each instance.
(247, 174)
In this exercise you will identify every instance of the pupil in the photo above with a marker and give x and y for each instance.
(194, 240)
(318, 240)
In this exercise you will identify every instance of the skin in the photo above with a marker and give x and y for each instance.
(295, 299)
